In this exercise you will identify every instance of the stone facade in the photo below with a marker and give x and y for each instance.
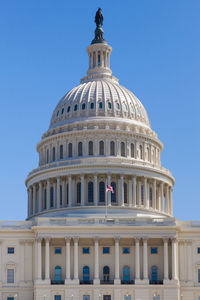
(82, 242)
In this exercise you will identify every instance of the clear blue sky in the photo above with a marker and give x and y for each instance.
(156, 54)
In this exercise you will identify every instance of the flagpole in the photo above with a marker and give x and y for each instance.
(106, 206)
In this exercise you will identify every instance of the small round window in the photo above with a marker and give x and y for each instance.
(92, 105)
(62, 112)
(57, 112)
(109, 105)
(100, 105)
(83, 106)
(68, 109)
(75, 107)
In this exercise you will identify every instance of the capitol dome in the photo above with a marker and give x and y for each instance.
(100, 137)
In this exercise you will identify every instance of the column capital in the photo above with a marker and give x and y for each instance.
(117, 238)
(39, 239)
(145, 239)
(47, 239)
(76, 238)
(137, 238)
(165, 239)
(67, 239)
(173, 239)
(96, 238)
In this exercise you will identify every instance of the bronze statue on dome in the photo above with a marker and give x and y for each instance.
(99, 18)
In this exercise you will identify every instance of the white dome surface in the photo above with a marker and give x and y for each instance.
(101, 97)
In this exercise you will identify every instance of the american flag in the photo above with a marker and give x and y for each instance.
(109, 188)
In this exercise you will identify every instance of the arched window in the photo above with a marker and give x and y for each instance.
(113, 195)
(57, 273)
(86, 273)
(57, 113)
(62, 111)
(70, 149)
(90, 192)
(100, 105)
(101, 191)
(99, 60)
(112, 148)
(54, 154)
(61, 151)
(142, 194)
(125, 193)
(80, 149)
(51, 197)
(68, 109)
(92, 105)
(47, 156)
(141, 152)
(101, 148)
(148, 154)
(83, 106)
(126, 274)
(75, 107)
(90, 146)
(109, 105)
(132, 150)
(106, 273)
(150, 197)
(122, 149)
(154, 274)
(78, 194)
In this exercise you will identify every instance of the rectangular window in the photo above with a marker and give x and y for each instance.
(10, 276)
(126, 250)
(198, 250)
(106, 250)
(86, 297)
(154, 250)
(11, 250)
(86, 250)
(58, 250)
(57, 297)
(10, 298)
(127, 297)
(198, 275)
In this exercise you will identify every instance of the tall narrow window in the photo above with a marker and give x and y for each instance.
(57, 297)
(51, 197)
(148, 154)
(90, 192)
(86, 273)
(198, 275)
(70, 149)
(112, 148)
(150, 197)
(47, 156)
(154, 274)
(141, 152)
(54, 154)
(106, 273)
(100, 105)
(142, 194)
(99, 60)
(125, 193)
(126, 274)
(101, 191)
(90, 148)
(45, 199)
(61, 151)
(57, 274)
(80, 149)
(78, 194)
(132, 150)
(61, 195)
(101, 148)
(113, 195)
(10, 276)
(122, 149)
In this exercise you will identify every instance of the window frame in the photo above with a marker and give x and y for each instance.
(124, 252)
(84, 249)
(10, 247)
(152, 251)
(105, 250)
(56, 248)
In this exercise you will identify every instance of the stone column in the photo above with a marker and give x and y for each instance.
(174, 259)
(134, 191)
(64, 200)
(145, 262)
(40, 197)
(170, 201)
(29, 201)
(76, 279)
(82, 190)
(109, 193)
(48, 194)
(67, 277)
(34, 199)
(122, 189)
(117, 279)
(166, 262)
(95, 191)
(96, 261)
(39, 259)
(189, 255)
(130, 193)
(137, 260)
(139, 194)
(69, 190)
(145, 193)
(154, 194)
(161, 196)
(167, 200)
(47, 260)
(58, 193)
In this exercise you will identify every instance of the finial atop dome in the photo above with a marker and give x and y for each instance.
(98, 31)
